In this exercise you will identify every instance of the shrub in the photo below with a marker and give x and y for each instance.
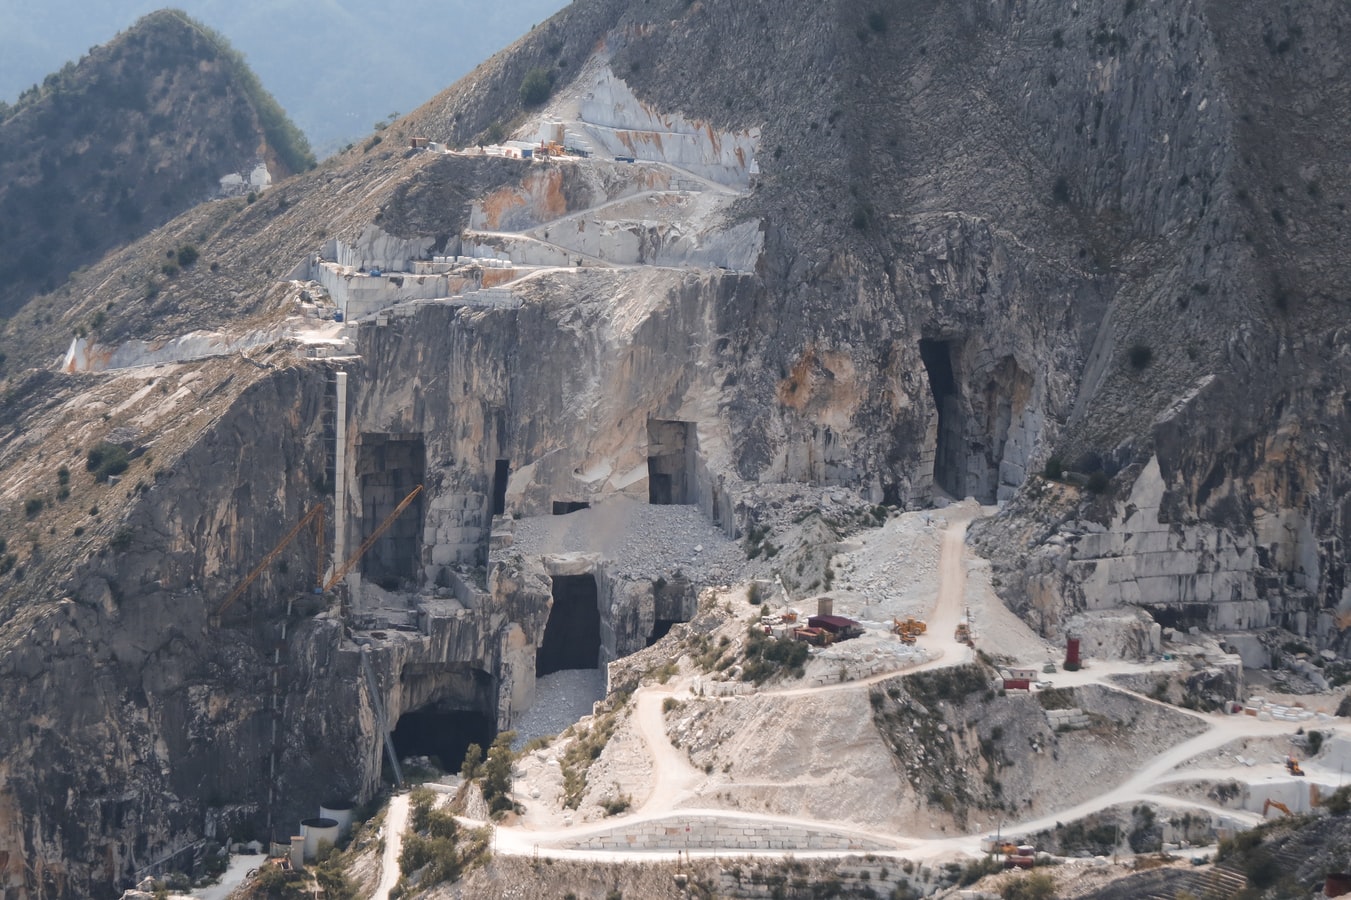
(187, 255)
(472, 766)
(585, 748)
(877, 21)
(767, 657)
(978, 869)
(105, 460)
(536, 87)
(1339, 801)
(1315, 740)
(1036, 886)
(438, 848)
(120, 540)
(497, 774)
(1140, 356)
(63, 475)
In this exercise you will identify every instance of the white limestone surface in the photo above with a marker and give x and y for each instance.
(608, 118)
(88, 356)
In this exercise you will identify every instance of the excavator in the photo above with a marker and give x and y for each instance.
(1292, 766)
(908, 630)
(963, 634)
(1269, 804)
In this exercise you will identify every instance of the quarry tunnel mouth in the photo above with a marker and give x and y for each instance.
(442, 735)
(572, 634)
(937, 358)
(987, 423)
(388, 468)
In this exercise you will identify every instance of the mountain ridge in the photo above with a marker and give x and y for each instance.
(140, 130)
(979, 269)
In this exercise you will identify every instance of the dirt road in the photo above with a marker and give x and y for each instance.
(396, 820)
(676, 781)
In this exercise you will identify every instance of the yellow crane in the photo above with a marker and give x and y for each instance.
(315, 516)
(370, 541)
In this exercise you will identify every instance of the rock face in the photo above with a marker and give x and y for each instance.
(941, 247)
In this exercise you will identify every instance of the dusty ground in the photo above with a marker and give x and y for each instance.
(808, 751)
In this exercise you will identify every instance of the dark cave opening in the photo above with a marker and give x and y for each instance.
(660, 628)
(390, 466)
(949, 455)
(572, 635)
(501, 474)
(563, 507)
(443, 736)
(670, 462)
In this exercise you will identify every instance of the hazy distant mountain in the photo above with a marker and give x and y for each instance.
(109, 149)
(336, 66)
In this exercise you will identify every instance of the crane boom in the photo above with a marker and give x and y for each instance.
(315, 515)
(370, 541)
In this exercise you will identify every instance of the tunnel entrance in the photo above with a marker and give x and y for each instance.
(501, 474)
(389, 466)
(670, 462)
(443, 736)
(572, 635)
(949, 454)
(660, 628)
(563, 507)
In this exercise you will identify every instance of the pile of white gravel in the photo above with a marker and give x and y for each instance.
(561, 698)
(638, 540)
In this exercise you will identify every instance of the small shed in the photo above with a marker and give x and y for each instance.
(1028, 673)
(839, 626)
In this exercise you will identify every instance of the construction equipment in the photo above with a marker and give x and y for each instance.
(315, 515)
(370, 541)
(908, 630)
(1269, 804)
(550, 148)
(817, 637)
(1292, 766)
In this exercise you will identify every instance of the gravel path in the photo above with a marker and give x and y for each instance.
(396, 820)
